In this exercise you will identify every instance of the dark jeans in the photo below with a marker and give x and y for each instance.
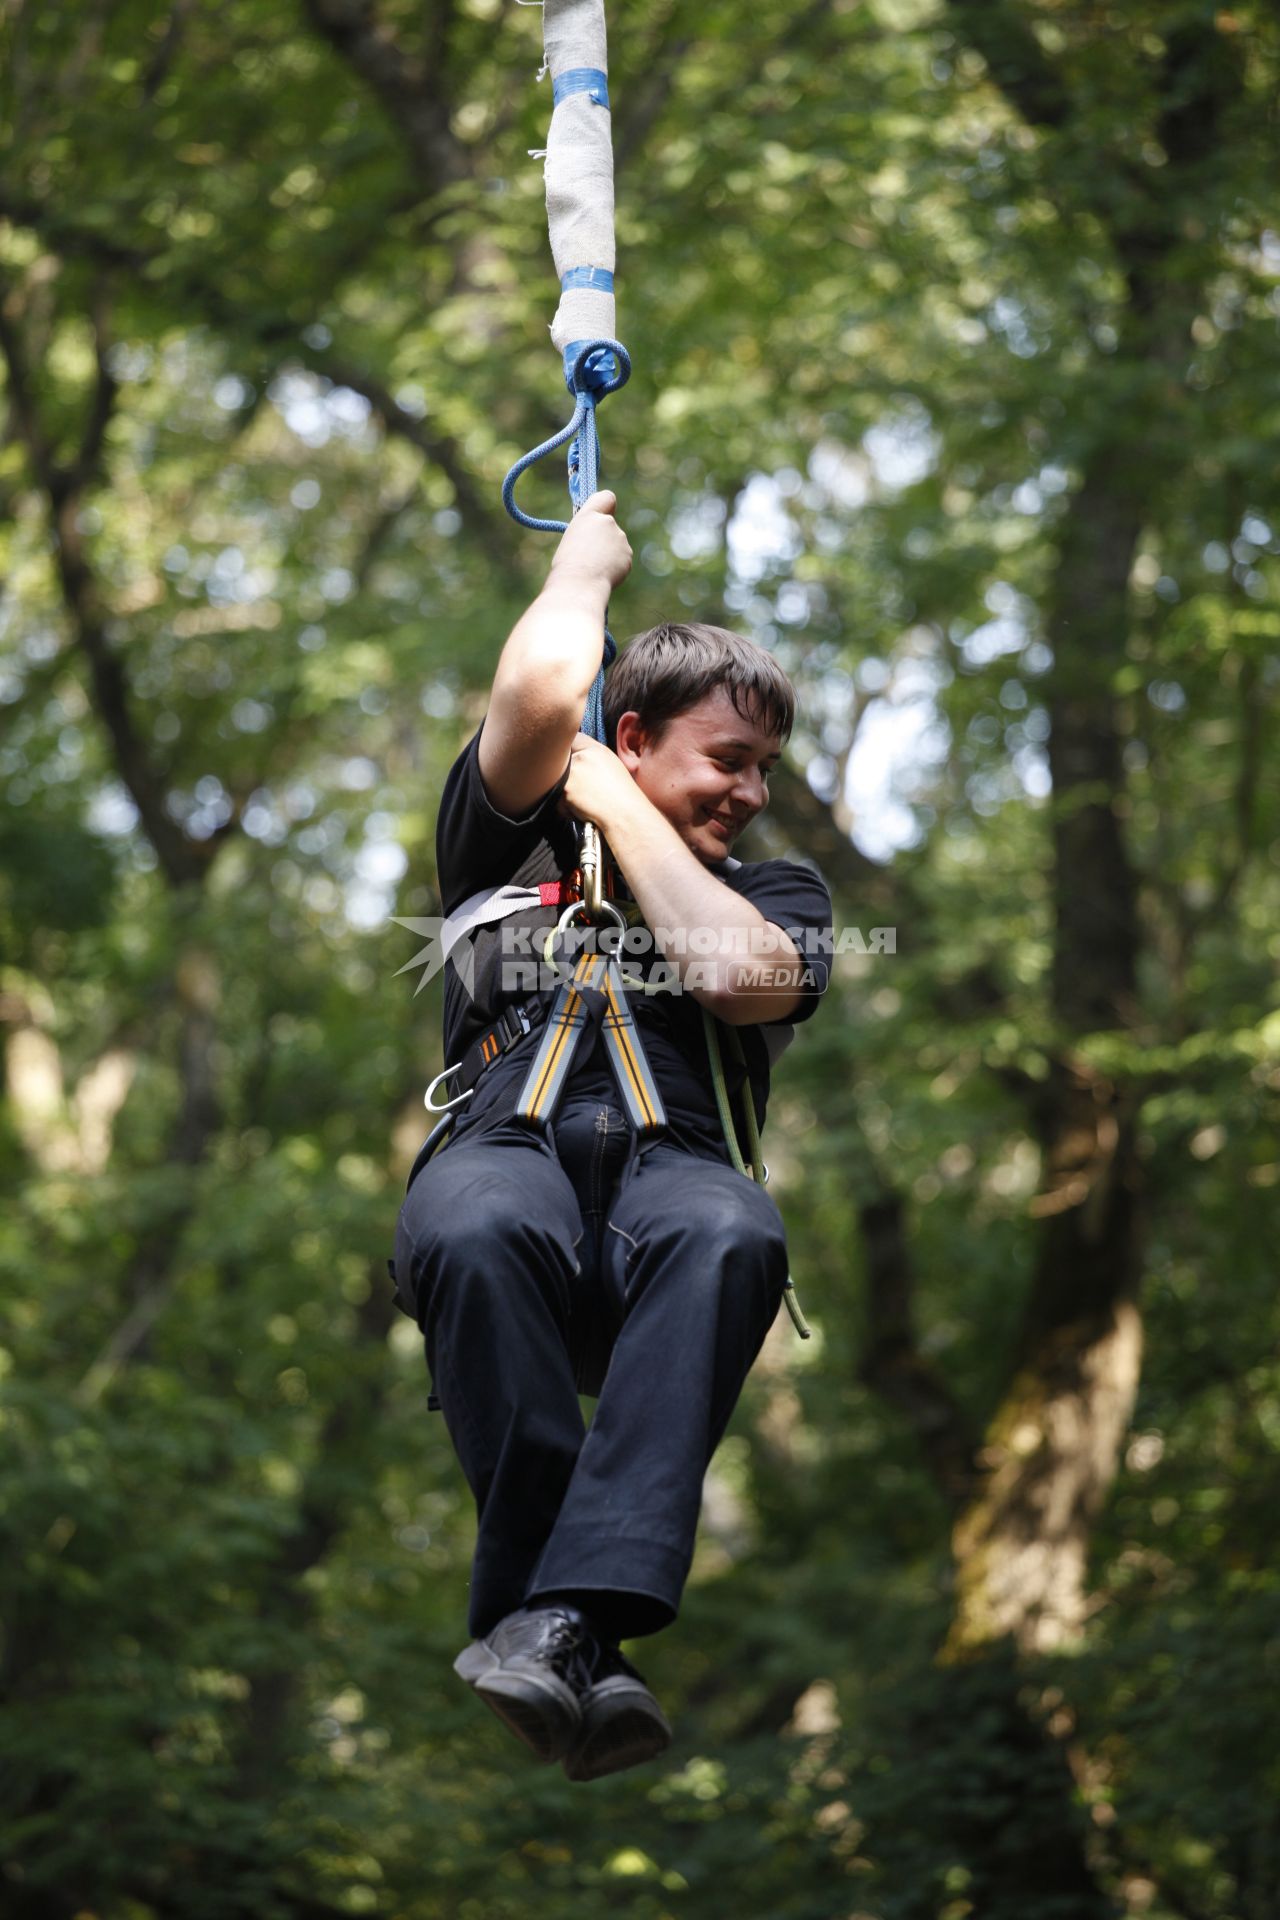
(538, 1264)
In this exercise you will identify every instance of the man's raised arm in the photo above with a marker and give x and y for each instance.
(549, 662)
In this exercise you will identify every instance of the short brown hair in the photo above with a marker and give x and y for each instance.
(670, 668)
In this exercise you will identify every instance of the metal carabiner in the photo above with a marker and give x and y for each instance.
(445, 1106)
(606, 911)
(592, 868)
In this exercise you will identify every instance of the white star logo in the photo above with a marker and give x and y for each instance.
(433, 954)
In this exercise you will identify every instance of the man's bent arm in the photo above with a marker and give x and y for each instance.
(550, 661)
(676, 892)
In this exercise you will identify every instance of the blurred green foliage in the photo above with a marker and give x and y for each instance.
(882, 322)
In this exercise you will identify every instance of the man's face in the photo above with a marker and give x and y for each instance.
(706, 772)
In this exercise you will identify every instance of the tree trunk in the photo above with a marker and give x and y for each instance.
(1051, 1450)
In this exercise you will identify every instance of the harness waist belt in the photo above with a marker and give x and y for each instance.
(510, 1027)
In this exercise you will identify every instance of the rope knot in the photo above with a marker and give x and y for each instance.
(593, 368)
(596, 367)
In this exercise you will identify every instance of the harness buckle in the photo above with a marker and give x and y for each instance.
(515, 1024)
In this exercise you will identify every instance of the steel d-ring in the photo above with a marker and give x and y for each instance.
(445, 1106)
(574, 910)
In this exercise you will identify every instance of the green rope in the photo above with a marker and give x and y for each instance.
(756, 1171)
(759, 1171)
(710, 1027)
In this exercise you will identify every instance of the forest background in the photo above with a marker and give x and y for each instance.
(955, 326)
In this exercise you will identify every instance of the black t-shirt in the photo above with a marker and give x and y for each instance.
(497, 964)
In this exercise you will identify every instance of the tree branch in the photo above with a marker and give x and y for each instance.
(482, 522)
(64, 483)
(85, 468)
(439, 25)
(166, 53)
(811, 825)
(1016, 61)
(1201, 77)
(378, 533)
(441, 449)
(65, 235)
(409, 92)
(22, 399)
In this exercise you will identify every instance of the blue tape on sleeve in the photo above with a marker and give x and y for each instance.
(581, 80)
(598, 279)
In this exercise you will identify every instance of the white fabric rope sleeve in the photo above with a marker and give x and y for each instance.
(579, 173)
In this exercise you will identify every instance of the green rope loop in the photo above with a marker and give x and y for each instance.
(756, 1172)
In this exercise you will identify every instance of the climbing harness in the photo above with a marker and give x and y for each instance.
(593, 993)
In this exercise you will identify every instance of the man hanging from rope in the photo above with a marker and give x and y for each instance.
(557, 1243)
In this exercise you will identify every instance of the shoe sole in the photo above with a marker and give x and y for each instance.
(622, 1726)
(540, 1710)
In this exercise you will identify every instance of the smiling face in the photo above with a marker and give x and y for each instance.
(706, 771)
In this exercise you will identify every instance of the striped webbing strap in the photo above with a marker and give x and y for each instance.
(594, 995)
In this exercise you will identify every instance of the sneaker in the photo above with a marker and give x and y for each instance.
(622, 1724)
(533, 1671)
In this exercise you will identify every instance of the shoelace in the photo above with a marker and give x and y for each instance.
(571, 1648)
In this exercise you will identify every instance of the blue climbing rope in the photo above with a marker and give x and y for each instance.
(593, 368)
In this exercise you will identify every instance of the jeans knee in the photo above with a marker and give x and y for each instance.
(741, 1228)
(433, 1235)
(437, 1229)
(473, 1254)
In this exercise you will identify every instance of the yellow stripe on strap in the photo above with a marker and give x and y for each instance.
(631, 1069)
(619, 1040)
(571, 1016)
(556, 1052)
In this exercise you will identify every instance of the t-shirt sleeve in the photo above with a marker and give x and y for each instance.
(476, 846)
(796, 899)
